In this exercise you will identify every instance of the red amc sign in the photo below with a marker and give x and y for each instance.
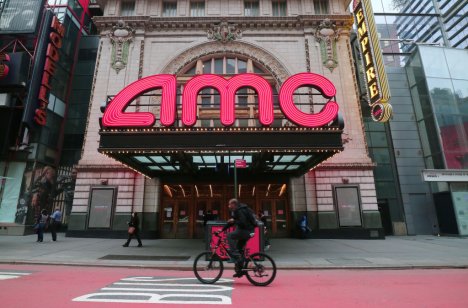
(114, 115)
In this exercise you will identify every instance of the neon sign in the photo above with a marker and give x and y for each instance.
(115, 116)
(376, 78)
(4, 68)
(52, 57)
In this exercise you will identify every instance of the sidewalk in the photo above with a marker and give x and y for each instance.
(394, 252)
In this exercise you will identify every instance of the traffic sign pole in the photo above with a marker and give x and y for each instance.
(235, 181)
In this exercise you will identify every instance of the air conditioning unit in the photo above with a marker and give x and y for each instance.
(5, 99)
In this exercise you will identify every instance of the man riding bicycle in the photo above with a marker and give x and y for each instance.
(242, 217)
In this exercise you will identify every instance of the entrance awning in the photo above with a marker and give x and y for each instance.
(199, 151)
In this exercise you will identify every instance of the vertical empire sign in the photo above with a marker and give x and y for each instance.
(45, 59)
(374, 70)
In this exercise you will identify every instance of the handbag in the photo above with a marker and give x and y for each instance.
(131, 230)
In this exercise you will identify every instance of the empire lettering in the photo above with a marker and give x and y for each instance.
(380, 109)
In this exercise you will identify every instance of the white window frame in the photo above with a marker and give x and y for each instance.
(173, 9)
(249, 6)
(196, 8)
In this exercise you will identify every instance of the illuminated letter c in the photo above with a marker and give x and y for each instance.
(322, 84)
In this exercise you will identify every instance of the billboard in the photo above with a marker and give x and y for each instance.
(20, 16)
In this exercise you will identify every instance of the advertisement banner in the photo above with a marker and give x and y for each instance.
(20, 16)
(253, 245)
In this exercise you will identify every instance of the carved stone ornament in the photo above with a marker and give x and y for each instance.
(120, 36)
(224, 32)
(327, 34)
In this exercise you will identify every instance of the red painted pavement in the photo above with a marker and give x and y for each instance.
(56, 286)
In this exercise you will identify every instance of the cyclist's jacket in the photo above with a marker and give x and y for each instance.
(244, 218)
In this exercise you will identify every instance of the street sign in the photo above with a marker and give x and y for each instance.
(240, 163)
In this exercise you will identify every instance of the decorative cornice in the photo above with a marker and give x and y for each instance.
(105, 23)
(359, 166)
(102, 168)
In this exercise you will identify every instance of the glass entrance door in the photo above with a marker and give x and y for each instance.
(205, 207)
(183, 207)
(276, 213)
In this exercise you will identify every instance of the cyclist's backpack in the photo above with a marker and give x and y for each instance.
(250, 217)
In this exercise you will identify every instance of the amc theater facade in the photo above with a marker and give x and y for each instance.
(184, 89)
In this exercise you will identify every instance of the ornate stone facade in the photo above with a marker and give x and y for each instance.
(283, 46)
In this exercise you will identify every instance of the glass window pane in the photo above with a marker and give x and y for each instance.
(461, 95)
(279, 8)
(169, 9)
(127, 8)
(433, 60)
(241, 66)
(381, 155)
(197, 8)
(207, 67)
(231, 66)
(251, 8)
(443, 98)
(378, 139)
(454, 58)
(218, 66)
(321, 7)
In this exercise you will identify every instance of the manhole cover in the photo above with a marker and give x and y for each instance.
(145, 258)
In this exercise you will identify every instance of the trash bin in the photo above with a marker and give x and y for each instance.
(255, 244)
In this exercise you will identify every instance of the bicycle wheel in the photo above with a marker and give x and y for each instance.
(260, 269)
(208, 268)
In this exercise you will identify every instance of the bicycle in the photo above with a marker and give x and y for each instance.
(259, 268)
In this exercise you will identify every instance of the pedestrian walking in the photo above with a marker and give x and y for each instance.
(134, 230)
(303, 226)
(42, 222)
(55, 223)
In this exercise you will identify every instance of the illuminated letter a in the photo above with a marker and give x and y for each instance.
(114, 116)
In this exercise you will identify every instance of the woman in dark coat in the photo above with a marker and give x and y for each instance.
(134, 222)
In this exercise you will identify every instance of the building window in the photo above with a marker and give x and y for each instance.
(279, 8)
(321, 7)
(251, 8)
(209, 99)
(197, 8)
(127, 8)
(169, 9)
